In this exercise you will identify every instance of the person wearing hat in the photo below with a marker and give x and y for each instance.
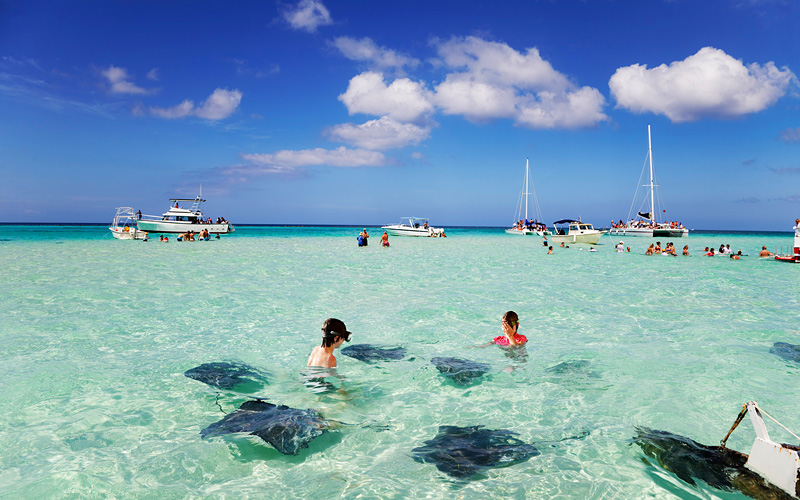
(334, 333)
(621, 247)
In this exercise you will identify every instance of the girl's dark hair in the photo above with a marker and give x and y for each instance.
(510, 316)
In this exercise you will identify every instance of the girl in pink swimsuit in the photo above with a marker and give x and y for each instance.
(510, 336)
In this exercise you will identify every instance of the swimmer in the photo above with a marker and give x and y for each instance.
(736, 256)
(765, 253)
(686, 250)
(334, 333)
(549, 250)
(385, 239)
(510, 336)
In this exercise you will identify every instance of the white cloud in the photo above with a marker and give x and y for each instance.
(498, 64)
(365, 50)
(709, 83)
(381, 134)
(219, 105)
(120, 84)
(307, 15)
(495, 81)
(153, 74)
(791, 135)
(403, 100)
(339, 157)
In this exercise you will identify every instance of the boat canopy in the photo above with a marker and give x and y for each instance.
(565, 221)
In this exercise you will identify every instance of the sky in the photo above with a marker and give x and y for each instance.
(362, 112)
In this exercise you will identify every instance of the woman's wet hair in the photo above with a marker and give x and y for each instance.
(510, 317)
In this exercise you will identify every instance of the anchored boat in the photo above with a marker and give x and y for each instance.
(180, 220)
(647, 223)
(525, 227)
(795, 255)
(413, 226)
(123, 226)
(575, 231)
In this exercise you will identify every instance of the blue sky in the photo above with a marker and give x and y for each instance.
(360, 112)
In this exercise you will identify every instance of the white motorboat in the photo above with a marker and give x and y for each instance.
(525, 227)
(648, 224)
(413, 226)
(575, 231)
(123, 226)
(180, 220)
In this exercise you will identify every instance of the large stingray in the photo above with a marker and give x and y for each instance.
(719, 467)
(462, 452)
(228, 375)
(369, 353)
(460, 371)
(579, 368)
(786, 351)
(289, 430)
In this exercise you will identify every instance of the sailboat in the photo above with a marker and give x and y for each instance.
(525, 227)
(646, 223)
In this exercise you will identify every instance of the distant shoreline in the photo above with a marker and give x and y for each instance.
(105, 224)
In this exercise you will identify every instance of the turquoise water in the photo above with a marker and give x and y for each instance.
(96, 335)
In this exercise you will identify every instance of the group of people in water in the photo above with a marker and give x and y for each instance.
(334, 334)
(190, 235)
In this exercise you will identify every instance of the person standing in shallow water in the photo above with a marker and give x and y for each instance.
(334, 333)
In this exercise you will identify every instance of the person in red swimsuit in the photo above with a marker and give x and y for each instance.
(510, 336)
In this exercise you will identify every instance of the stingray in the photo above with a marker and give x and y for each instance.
(369, 353)
(462, 452)
(576, 367)
(786, 351)
(719, 467)
(288, 430)
(460, 371)
(228, 375)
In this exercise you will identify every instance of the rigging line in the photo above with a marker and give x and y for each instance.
(780, 424)
(636, 191)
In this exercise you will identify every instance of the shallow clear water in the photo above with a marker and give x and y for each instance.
(96, 335)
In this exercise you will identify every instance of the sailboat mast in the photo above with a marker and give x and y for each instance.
(650, 154)
(526, 189)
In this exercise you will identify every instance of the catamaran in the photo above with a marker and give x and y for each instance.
(524, 227)
(646, 223)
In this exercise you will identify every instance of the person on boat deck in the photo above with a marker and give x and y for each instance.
(425, 226)
(139, 214)
(764, 252)
(796, 224)
(334, 333)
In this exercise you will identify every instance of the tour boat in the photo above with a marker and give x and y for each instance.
(180, 220)
(413, 226)
(795, 255)
(575, 232)
(534, 228)
(647, 223)
(123, 226)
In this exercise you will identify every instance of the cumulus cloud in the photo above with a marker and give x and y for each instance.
(307, 15)
(493, 81)
(709, 83)
(339, 157)
(120, 82)
(791, 135)
(153, 75)
(381, 134)
(367, 51)
(219, 105)
(402, 100)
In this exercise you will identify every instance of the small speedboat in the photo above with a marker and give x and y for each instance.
(575, 231)
(413, 226)
(123, 226)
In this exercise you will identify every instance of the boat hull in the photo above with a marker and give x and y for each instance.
(649, 233)
(410, 231)
(179, 227)
(526, 232)
(132, 234)
(587, 238)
